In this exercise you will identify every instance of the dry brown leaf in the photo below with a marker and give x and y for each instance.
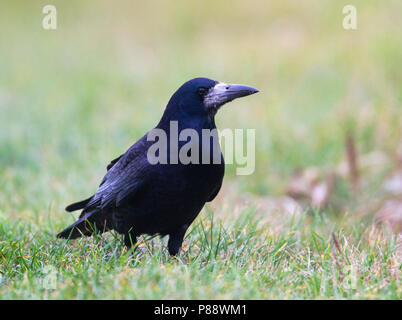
(394, 183)
(281, 204)
(320, 194)
(390, 214)
(313, 185)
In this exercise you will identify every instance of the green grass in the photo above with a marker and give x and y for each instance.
(237, 258)
(245, 257)
(75, 98)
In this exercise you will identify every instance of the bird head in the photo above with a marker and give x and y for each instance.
(203, 96)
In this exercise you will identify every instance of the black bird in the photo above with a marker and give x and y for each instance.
(138, 197)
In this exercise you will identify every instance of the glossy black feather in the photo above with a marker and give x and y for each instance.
(78, 205)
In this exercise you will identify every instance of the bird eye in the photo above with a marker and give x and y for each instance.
(202, 91)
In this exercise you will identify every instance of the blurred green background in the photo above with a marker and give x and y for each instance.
(74, 98)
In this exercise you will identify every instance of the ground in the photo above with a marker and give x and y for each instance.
(74, 98)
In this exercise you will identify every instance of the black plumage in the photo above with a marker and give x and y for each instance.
(136, 197)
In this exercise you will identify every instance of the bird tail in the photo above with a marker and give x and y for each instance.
(78, 205)
(85, 226)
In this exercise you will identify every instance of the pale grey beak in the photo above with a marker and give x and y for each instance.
(222, 93)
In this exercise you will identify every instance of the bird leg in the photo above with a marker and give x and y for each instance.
(176, 240)
(130, 239)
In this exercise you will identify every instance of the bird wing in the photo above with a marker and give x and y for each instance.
(124, 178)
(113, 162)
(78, 205)
(84, 203)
